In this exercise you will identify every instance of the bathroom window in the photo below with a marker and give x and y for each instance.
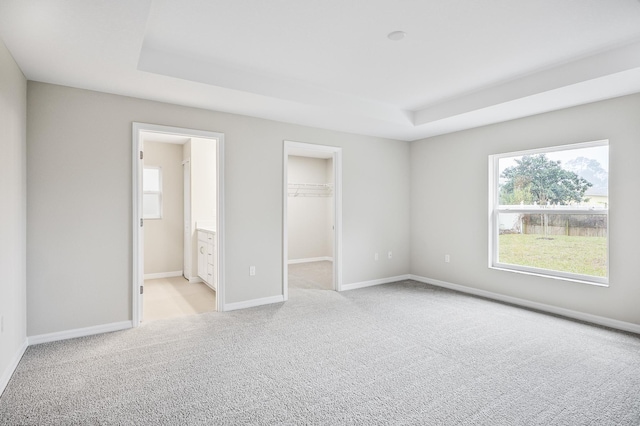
(152, 193)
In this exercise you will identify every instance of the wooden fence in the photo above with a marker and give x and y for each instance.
(589, 225)
(565, 230)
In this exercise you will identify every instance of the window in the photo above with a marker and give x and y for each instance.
(152, 193)
(549, 212)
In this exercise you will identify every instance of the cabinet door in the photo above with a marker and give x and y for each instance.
(202, 260)
(211, 261)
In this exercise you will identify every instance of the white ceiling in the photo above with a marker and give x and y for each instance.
(329, 64)
(163, 138)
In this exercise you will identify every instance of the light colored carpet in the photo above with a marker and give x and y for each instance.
(404, 353)
(175, 297)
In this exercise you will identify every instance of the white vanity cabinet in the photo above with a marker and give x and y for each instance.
(206, 258)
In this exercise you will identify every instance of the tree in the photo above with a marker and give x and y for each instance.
(535, 178)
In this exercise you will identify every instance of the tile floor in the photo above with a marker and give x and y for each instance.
(175, 297)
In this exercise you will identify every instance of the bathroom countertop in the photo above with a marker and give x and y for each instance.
(206, 226)
(209, 229)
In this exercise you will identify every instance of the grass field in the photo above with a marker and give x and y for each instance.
(578, 255)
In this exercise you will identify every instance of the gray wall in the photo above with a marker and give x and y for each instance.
(79, 182)
(449, 180)
(164, 238)
(79, 197)
(13, 213)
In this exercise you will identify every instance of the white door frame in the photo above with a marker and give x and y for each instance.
(326, 151)
(137, 230)
(187, 233)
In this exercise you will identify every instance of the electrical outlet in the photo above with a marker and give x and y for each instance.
(252, 270)
(376, 257)
(390, 255)
(447, 258)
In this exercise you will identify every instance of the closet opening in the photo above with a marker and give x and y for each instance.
(176, 217)
(312, 219)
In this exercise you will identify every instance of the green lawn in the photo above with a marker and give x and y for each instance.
(578, 255)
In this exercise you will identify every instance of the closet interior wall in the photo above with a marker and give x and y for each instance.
(310, 209)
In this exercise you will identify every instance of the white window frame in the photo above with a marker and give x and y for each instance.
(158, 193)
(495, 210)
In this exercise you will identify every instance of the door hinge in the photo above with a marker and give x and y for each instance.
(141, 222)
(141, 155)
(141, 289)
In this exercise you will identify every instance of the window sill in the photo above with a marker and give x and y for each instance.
(543, 275)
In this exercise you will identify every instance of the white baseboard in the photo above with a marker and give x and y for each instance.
(8, 372)
(252, 303)
(363, 284)
(310, 259)
(594, 319)
(162, 275)
(79, 332)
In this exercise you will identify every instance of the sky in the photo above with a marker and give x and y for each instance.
(599, 153)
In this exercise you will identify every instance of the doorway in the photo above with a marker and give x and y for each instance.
(312, 213)
(177, 197)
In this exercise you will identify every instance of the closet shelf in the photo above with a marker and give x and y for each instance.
(310, 189)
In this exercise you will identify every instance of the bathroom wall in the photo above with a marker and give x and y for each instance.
(163, 238)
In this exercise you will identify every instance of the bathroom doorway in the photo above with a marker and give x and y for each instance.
(177, 204)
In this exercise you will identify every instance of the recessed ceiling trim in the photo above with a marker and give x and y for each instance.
(626, 58)
(282, 64)
(219, 74)
(606, 87)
